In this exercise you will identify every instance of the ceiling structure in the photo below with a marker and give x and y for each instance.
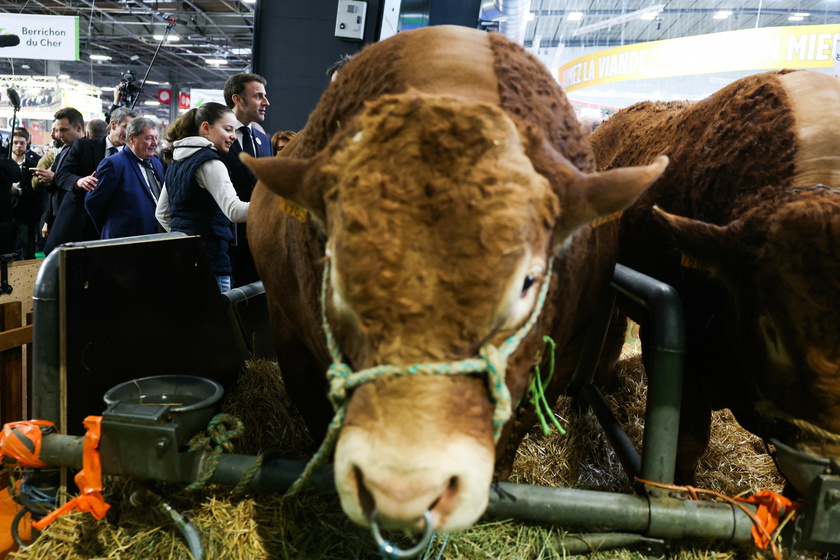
(125, 34)
(613, 23)
(209, 42)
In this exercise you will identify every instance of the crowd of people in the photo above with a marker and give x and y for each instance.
(121, 179)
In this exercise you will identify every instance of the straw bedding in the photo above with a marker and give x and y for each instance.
(266, 526)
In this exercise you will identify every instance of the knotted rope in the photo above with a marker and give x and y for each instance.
(342, 379)
(221, 430)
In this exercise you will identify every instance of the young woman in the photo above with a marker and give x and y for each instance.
(198, 197)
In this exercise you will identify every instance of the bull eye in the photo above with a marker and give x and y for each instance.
(529, 281)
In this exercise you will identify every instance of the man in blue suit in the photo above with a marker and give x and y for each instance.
(76, 175)
(124, 200)
(245, 96)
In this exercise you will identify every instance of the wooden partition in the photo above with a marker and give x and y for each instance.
(16, 345)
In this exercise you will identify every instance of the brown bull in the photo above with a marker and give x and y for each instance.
(739, 226)
(438, 176)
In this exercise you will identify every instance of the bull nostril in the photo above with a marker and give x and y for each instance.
(445, 503)
(366, 501)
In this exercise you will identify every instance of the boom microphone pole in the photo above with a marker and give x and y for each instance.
(171, 21)
(14, 99)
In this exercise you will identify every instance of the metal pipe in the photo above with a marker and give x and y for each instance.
(46, 338)
(618, 438)
(654, 303)
(513, 26)
(569, 507)
(653, 516)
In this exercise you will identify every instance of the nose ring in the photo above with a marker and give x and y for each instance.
(391, 551)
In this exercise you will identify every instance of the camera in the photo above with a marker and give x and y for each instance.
(127, 90)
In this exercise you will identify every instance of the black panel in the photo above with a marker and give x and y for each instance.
(463, 12)
(294, 44)
(138, 309)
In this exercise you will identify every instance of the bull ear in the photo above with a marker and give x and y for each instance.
(609, 192)
(704, 246)
(595, 198)
(294, 179)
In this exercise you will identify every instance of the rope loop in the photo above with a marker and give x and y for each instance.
(342, 379)
(496, 386)
(770, 410)
(221, 430)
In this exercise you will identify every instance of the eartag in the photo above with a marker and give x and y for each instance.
(688, 261)
(294, 210)
(605, 219)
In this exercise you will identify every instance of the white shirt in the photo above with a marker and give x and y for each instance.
(211, 175)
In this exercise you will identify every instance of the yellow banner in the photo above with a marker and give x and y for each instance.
(768, 48)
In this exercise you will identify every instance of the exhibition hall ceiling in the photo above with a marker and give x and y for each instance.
(210, 41)
(212, 38)
(595, 23)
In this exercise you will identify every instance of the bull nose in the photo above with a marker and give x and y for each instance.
(405, 502)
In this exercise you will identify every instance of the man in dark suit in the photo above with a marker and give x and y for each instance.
(69, 126)
(77, 176)
(124, 200)
(245, 96)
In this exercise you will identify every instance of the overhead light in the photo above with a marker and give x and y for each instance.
(151, 103)
(722, 14)
(152, 82)
(801, 14)
(216, 61)
(63, 76)
(134, 57)
(618, 20)
(240, 52)
(170, 37)
(249, 1)
(107, 89)
(649, 16)
(574, 16)
(25, 66)
(100, 57)
(795, 18)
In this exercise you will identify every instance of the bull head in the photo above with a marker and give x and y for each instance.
(441, 218)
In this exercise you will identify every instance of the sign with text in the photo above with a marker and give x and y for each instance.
(199, 97)
(42, 37)
(768, 48)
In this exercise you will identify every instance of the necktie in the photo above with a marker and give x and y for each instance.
(247, 141)
(150, 175)
(112, 150)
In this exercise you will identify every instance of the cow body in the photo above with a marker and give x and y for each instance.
(439, 175)
(741, 228)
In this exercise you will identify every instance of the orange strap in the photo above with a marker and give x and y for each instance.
(89, 480)
(21, 441)
(771, 508)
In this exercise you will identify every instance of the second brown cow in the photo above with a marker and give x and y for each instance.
(745, 224)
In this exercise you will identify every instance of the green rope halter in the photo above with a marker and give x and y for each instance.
(343, 380)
